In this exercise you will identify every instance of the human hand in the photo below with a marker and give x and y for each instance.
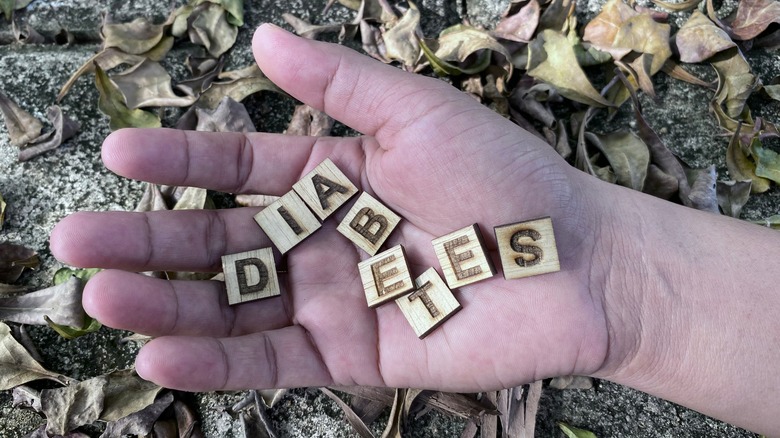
(430, 153)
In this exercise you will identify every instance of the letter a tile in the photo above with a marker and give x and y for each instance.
(527, 248)
(287, 221)
(463, 257)
(385, 276)
(250, 275)
(325, 189)
(368, 223)
(429, 305)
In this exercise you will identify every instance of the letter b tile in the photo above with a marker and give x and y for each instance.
(368, 223)
(250, 275)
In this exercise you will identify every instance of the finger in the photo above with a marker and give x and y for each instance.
(191, 240)
(283, 358)
(156, 307)
(367, 95)
(224, 161)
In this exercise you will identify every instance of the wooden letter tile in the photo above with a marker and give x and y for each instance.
(527, 248)
(385, 276)
(429, 305)
(287, 221)
(250, 275)
(325, 189)
(368, 223)
(463, 257)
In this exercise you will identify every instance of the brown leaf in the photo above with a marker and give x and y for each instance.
(685, 5)
(699, 39)
(61, 303)
(572, 382)
(736, 81)
(186, 421)
(27, 397)
(17, 367)
(767, 161)
(112, 104)
(396, 424)
(551, 59)
(229, 116)
(732, 196)
(135, 37)
(676, 71)
(628, 156)
(152, 199)
(308, 121)
(2, 211)
(602, 30)
(14, 259)
(22, 126)
(354, 420)
(451, 54)
(367, 410)
(753, 17)
(73, 406)
(255, 201)
(519, 26)
(237, 84)
(703, 196)
(642, 34)
(517, 409)
(741, 168)
(556, 15)
(311, 31)
(138, 423)
(194, 198)
(63, 129)
(209, 27)
(125, 392)
(148, 84)
(401, 40)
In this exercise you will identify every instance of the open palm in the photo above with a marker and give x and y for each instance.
(432, 154)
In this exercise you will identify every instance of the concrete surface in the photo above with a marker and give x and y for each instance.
(42, 191)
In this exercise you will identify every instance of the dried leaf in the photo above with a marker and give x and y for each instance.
(271, 397)
(703, 196)
(9, 6)
(767, 161)
(573, 432)
(353, 419)
(138, 423)
(73, 406)
(736, 81)
(685, 5)
(63, 274)
(126, 393)
(520, 26)
(209, 27)
(699, 39)
(628, 156)
(148, 84)
(309, 122)
(14, 259)
(732, 196)
(27, 397)
(112, 104)
(22, 126)
(395, 425)
(456, 44)
(68, 332)
(753, 17)
(194, 198)
(62, 303)
(741, 168)
(551, 59)
(235, 10)
(770, 222)
(676, 71)
(135, 37)
(27, 35)
(236, 84)
(186, 421)
(602, 30)
(401, 40)
(17, 367)
(556, 15)
(63, 129)
(642, 34)
(2, 211)
(152, 199)
(572, 382)
(229, 116)
(517, 409)
(255, 201)
(307, 30)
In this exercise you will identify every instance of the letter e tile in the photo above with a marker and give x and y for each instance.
(463, 257)
(385, 276)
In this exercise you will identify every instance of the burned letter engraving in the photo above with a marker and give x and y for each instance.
(385, 276)
(364, 229)
(260, 279)
(534, 250)
(290, 220)
(422, 294)
(456, 259)
(380, 276)
(323, 194)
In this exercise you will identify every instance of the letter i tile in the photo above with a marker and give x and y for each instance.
(385, 276)
(250, 275)
(287, 221)
(430, 305)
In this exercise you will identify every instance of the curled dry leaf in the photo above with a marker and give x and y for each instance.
(209, 27)
(642, 34)
(736, 81)
(138, 423)
(770, 222)
(73, 406)
(194, 198)
(152, 199)
(572, 382)
(237, 84)
(741, 168)
(22, 126)
(2, 211)
(136, 37)
(703, 196)
(27, 35)
(732, 196)
(521, 25)
(628, 156)
(456, 44)
(307, 30)
(517, 409)
(14, 259)
(26, 397)
(685, 5)
(753, 17)
(557, 15)
(17, 367)
(767, 161)
(308, 121)
(61, 303)
(402, 40)
(229, 116)
(699, 39)
(112, 104)
(551, 59)
(573, 432)
(9, 6)
(148, 84)
(354, 420)
(63, 129)
(255, 200)
(602, 30)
